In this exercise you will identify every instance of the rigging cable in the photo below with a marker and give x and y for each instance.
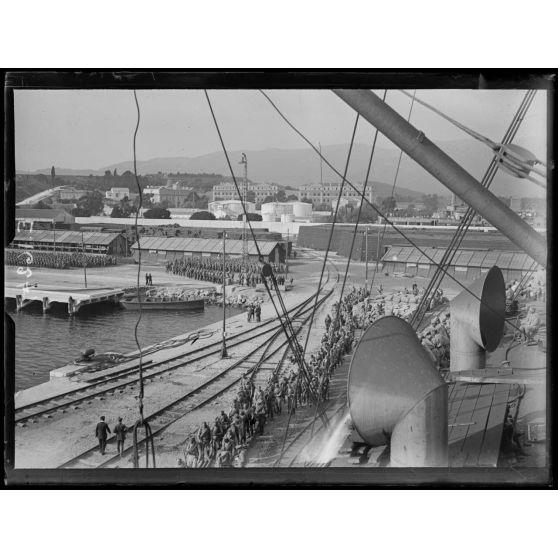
(524, 165)
(149, 442)
(467, 220)
(287, 325)
(339, 196)
(331, 230)
(380, 213)
(355, 231)
(463, 226)
(381, 242)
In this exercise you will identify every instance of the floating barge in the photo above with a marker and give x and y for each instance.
(162, 303)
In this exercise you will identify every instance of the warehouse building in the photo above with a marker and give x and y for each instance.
(466, 265)
(71, 241)
(157, 249)
(42, 218)
(380, 240)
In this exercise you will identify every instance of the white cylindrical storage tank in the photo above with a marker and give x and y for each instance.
(269, 211)
(302, 210)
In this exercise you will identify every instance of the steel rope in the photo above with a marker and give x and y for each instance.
(287, 326)
(373, 206)
(464, 225)
(141, 421)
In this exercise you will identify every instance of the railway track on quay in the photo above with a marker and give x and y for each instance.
(126, 379)
(249, 365)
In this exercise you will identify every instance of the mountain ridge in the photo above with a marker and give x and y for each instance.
(298, 166)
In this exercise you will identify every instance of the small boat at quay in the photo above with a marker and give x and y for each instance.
(164, 299)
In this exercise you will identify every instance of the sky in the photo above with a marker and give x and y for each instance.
(82, 129)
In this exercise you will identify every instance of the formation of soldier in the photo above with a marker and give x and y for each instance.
(402, 303)
(224, 442)
(56, 260)
(210, 268)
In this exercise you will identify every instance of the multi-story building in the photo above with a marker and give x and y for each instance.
(327, 192)
(175, 197)
(227, 191)
(153, 191)
(118, 194)
(230, 208)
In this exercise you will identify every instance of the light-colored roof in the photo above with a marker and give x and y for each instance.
(464, 257)
(66, 237)
(50, 214)
(207, 245)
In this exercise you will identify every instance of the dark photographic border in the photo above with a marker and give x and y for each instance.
(267, 79)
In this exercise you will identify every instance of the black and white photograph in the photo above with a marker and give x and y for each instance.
(280, 278)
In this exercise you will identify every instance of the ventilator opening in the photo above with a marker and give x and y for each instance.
(477, 321)
(396, 396)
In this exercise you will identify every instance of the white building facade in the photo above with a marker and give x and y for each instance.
(324, 194)
(118, 194)
(229, 208)
(227, 191)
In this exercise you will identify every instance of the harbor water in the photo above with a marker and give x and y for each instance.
(46, 342)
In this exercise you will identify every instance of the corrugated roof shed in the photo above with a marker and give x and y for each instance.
(206, 245)
(66, 237)
(465, 258)
(51, 214)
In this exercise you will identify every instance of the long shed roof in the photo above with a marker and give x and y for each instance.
(206, 245)
(46, 214)
(463, 257)
(66, 237)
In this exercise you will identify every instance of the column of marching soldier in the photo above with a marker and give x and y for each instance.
(210, 268)
(56, 260)
(224, 443)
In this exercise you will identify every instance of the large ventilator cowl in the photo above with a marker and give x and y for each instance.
(477, 321)
(396, 396)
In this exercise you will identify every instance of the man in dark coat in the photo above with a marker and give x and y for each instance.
(120, 430)
(101, 432)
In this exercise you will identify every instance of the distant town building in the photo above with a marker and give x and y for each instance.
(70, 193)
(229, 208)
(287, 211)
(410, 206)
(175, 197)
(324, 194)
(227, 191)
(29, 219)
(118, 194)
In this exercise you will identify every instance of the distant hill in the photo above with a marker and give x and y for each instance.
(66, 172)
(294, 167)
